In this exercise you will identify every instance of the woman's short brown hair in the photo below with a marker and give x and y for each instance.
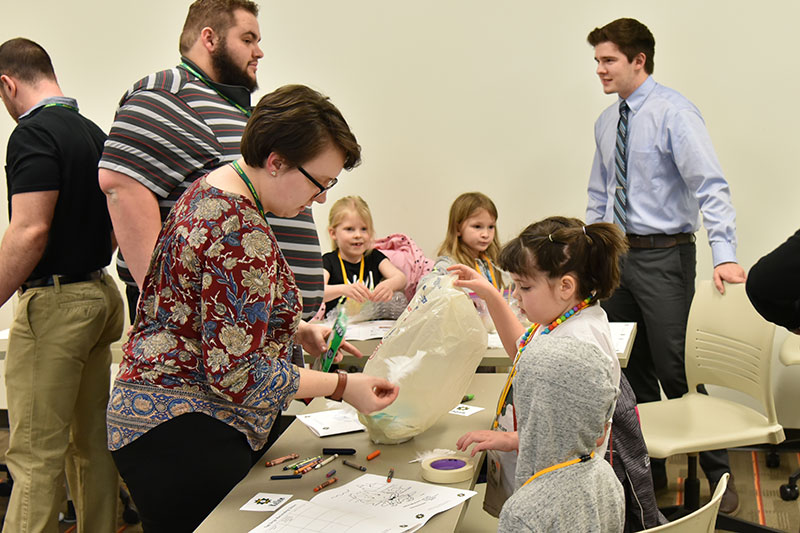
(297, 123)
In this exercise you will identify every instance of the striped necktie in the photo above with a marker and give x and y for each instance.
(621, 168)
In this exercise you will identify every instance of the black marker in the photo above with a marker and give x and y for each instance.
(340, 451)
(289, 476)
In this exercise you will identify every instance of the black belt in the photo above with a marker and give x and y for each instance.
(50, 281)
(659, 240)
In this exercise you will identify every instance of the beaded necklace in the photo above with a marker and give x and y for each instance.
(526, 338)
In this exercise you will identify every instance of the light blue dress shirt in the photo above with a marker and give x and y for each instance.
(673, 172)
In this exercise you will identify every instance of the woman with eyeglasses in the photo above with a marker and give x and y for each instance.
(207, 366)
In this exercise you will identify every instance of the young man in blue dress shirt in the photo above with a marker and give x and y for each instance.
(654, 173)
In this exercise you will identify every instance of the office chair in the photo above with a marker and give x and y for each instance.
(790, 355)
(727, 344)
(702, 520)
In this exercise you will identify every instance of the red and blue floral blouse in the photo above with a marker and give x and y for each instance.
(214, 326)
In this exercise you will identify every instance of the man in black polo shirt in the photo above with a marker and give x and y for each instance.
(53, 252)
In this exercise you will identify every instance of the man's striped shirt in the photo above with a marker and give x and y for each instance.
(170, 129)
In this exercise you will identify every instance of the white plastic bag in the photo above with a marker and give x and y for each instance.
(432, 353)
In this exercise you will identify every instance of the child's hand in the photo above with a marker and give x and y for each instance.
(357, 291)
(382, 292)
(471, 279)
(486, 439)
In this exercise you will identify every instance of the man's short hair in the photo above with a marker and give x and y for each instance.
(297, 123)
(631, 37)
(215, 14)
(25, 60)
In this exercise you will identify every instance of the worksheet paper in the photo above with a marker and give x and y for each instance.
(366, 505)
(374, 329)
(332, 422)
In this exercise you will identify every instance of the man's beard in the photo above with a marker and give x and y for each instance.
(229, 72)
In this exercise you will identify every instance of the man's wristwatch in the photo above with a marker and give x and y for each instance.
(340, 386)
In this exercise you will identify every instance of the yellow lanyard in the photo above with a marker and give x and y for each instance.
(581, 459)
(491, 270)
(522, 344)
(344, 272)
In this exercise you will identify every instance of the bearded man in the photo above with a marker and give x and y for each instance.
(176, 125)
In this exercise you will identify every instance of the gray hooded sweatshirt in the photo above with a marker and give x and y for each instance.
(564, 393)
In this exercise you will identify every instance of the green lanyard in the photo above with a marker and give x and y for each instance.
(210, 86)
(249, 184)
(59, 104)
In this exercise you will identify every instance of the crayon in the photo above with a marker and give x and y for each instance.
(467, 397)
(353, 465)
(324, 484)
(326, 461)
(306, 462)
(373, 455)
(340, 451)
(332, 472)
(299, 464)
(287, 476)
(308, 468)
(390, 476)
(280, 460)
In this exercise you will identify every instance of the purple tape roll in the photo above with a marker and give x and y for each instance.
(448, 464)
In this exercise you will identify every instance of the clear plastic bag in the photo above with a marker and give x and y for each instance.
(432, 353)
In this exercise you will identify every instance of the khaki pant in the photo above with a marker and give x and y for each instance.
(57, 381)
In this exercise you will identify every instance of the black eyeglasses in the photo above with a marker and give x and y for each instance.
(322, 189)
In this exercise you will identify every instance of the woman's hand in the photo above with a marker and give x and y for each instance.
(369, 393)
(314, 340)
(312, 337)
(471, 279)
(357, 291)
(383, 292)
(486, 439)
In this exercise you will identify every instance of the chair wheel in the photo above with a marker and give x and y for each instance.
(130, 516)
(789, 492)
(773, 460)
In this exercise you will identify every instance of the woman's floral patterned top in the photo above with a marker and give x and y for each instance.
(214, 324)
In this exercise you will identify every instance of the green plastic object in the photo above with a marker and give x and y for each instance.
(334, 340)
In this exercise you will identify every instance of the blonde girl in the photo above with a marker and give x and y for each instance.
(472, 236)
(354, 269)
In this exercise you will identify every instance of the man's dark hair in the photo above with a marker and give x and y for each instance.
(25, 60)
(631, 37)
(216, 14)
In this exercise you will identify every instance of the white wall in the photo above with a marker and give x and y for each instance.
(449, 96)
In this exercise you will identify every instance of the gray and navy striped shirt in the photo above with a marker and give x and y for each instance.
(170, 129)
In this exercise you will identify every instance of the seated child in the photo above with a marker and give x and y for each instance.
(472, 237)
(353, 269)
(565, 394)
